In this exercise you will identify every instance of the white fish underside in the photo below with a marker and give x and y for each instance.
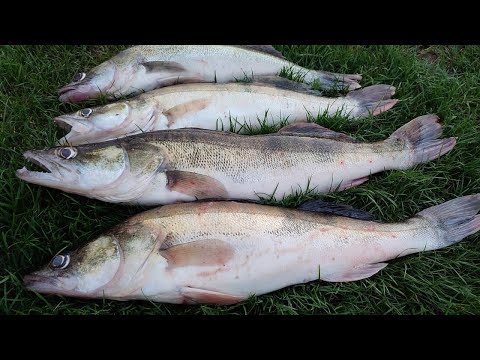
(269, 251)
(234, 106)
(243, 171)
(214, 63)
(218, 106)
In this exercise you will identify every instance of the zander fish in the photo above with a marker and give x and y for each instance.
(147, 67)
(169, 166)
(218, 106)
(223, 252)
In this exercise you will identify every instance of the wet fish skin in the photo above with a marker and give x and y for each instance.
(188, 164)
(146, 67)
(223, 252)
(214, 106)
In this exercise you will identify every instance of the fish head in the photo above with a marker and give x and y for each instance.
(115, 171)
(115, 265)
(84, 86)
(86, 272)
(80, 169)
(116, 120)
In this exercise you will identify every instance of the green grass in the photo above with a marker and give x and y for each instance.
(36, 223)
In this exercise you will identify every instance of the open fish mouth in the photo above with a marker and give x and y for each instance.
(75, 126)
(64, 123)
(49, 174)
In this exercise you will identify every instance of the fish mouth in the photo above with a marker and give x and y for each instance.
(51, 285)
(42, 284)
(47, 177)
(74, 93)
(75, 127)
(64, 122)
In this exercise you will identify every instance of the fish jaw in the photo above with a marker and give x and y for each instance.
(113, 121)
(74, 93)
(78, 128)
(49, 285)
(53, 177)
(100, 80)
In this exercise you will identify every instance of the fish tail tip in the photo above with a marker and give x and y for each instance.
(457, 218)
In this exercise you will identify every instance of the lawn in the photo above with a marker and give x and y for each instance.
(36, 222)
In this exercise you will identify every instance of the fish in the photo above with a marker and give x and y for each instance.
(146, 67)
(225, 252)
(169, 166)
(268, 100)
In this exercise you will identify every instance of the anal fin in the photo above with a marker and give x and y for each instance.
(201, 296)
(353, 274)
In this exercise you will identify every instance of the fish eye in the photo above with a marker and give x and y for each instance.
(79, 77)
(85, 112)
(67, 153)
(60, 262)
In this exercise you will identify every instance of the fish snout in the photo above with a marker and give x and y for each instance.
(74, 93)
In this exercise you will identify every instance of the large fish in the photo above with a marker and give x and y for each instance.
(169, 166)
(218, 106)
(223, 252)
(147, 67)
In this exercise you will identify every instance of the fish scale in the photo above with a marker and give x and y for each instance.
(224, 252)
(144, 68)
(219, 106)
(185, 165)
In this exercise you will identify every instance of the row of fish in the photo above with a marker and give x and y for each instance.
(164, 147)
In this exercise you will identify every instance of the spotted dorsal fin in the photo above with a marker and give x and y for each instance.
(267, 49)
(313, 130)
(326, 207)
(285, 84)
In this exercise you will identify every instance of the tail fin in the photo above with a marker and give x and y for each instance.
(333, 81)
(456, 218)
(372, 100)
(421, 138)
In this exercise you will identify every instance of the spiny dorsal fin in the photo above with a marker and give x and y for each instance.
(163, 66)
(267, 49)
(285, 84)
(313, 130)
(331, 208)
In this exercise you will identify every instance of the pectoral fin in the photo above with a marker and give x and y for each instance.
(163, 66)
(313, 130)
(196, 185)
(208, 252)
(201, 296)
(353, 274)
(179, 111)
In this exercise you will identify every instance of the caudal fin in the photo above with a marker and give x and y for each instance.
(456, 219)
(333, 81)
(420, 138)
(372, 100)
